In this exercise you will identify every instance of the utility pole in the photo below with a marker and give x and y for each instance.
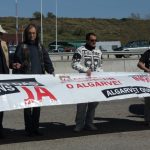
(56, 27)
(16, 22)
(42, 21)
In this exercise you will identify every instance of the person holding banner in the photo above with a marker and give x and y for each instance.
(87, 59)
(4, 67)
(31, 58)
(144, 64)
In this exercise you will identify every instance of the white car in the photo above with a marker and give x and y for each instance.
(134, 46)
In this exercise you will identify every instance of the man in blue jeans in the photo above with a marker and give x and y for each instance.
(87, 59)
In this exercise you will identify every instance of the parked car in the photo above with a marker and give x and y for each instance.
(108, 46)
(139, 46)
(52, 49)
(61, 47)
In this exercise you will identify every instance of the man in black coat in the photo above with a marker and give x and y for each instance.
(31, 58)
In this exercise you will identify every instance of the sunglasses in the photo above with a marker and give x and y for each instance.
(93, 40)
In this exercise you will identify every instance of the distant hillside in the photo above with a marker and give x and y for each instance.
(75, 29)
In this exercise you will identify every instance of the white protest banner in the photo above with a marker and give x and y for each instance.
(23, 91)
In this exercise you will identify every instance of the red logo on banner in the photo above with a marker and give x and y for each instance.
(141, 78)
(40, 91)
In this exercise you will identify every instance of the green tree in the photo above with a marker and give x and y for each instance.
(37, 15)
(135, 16)
(50, 15)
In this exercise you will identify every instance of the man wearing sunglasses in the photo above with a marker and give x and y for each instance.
(87, 59)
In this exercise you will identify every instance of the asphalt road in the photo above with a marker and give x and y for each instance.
(120, 127)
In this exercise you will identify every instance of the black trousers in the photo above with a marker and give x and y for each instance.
(1, 120)
(31, 119)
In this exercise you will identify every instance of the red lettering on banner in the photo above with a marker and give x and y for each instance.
(96, 84)
(116, 82)
(103, 83)
(79, 86)
(69, 86)
(84, 85)
(91, 84)
(43, 92)
(141, 78)
(30, 98)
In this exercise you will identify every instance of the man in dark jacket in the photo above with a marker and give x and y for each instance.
(144, 64)
(4, 68)
(31, 58)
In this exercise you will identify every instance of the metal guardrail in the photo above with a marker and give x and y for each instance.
(66, 56)
(62, 54)
(104, 53)
(122, 53)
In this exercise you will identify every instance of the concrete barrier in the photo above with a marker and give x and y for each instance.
(109, 65)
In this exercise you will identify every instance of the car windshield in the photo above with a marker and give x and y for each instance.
(141, 43)
(12, 49)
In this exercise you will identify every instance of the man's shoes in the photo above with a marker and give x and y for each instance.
(78, 129)
(2, 135)
(29, 133)
(91, 127)
(37, 133)
(147, 123)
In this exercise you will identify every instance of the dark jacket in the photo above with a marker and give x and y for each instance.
(22, 56)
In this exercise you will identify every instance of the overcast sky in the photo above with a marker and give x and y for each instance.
(78, 8)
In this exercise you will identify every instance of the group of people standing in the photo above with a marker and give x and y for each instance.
(32, 58)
